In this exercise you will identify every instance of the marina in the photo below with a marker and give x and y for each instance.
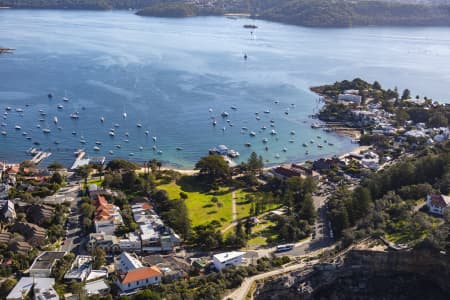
(188, 98)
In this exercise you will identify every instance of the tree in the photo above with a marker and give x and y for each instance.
(6, 287)
(129, 180)
(438, 119)
(77, 288)
(99, 257)
(55, 166)
(307, 211)
(84, 172)
(121, 164)
(214, 167)
(361, 200)
(57, 178)
(376, 85)
(254, 163)
(153, 164)
(406, 94)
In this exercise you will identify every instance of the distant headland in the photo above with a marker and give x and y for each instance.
(309, 13)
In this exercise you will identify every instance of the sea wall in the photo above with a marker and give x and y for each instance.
(364, 274)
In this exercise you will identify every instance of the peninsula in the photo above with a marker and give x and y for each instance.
(321, 13)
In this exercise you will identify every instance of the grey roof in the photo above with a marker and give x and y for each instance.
(26, 283)
(95, 287)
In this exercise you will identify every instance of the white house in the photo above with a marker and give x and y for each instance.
(132, 242)
(438, 203)
(138, 278)
(350, 98)
(227, 259)
(128, 262)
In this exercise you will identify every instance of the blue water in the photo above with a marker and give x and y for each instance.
(167, 73)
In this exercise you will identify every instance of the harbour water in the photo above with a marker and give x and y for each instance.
(167, 74)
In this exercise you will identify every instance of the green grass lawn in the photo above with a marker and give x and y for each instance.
(261, 233)
(200, 207)
(243, 206)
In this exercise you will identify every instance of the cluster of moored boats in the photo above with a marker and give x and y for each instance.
(43, 126)
(268, 129)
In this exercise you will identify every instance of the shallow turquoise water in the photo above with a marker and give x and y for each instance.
(167, 73)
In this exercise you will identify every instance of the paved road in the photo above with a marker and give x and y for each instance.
(73, 225)
(241, 292)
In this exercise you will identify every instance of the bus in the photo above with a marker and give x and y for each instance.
(283, 248)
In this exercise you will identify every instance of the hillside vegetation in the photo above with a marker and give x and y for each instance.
(326, 13)
(312, 13)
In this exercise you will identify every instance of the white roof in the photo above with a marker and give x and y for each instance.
(148, 232)
(94, 287)
(26, 283)
(129, 262)
(226, 256)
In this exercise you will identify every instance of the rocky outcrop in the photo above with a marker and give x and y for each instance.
(364, 274)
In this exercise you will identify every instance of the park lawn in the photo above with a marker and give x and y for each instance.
(200, 208)
(261, 233)
(97, 182)
(243, 206)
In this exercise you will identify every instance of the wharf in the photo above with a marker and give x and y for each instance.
(40, 156)
(80, 160)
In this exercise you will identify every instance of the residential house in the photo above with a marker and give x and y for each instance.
(80, 269)
(42, 288)
(154, 235)
(138, 278)
(43, 264)
(128, 262)
(107, 242)
(350, 98)
(132, 242)
(437, 203)
(107, 216)
(98, 287)
(7, 211)
(227, 259)
(132, 274)
(36, 236)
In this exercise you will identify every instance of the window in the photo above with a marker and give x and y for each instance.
(129, 285)
(146, 280)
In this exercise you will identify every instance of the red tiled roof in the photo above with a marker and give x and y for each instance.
(101, 200)
(140, 274)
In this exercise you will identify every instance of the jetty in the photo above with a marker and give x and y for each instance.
(40, 156)
(80, 160)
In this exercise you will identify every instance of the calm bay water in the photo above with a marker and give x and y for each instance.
(167, 73)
